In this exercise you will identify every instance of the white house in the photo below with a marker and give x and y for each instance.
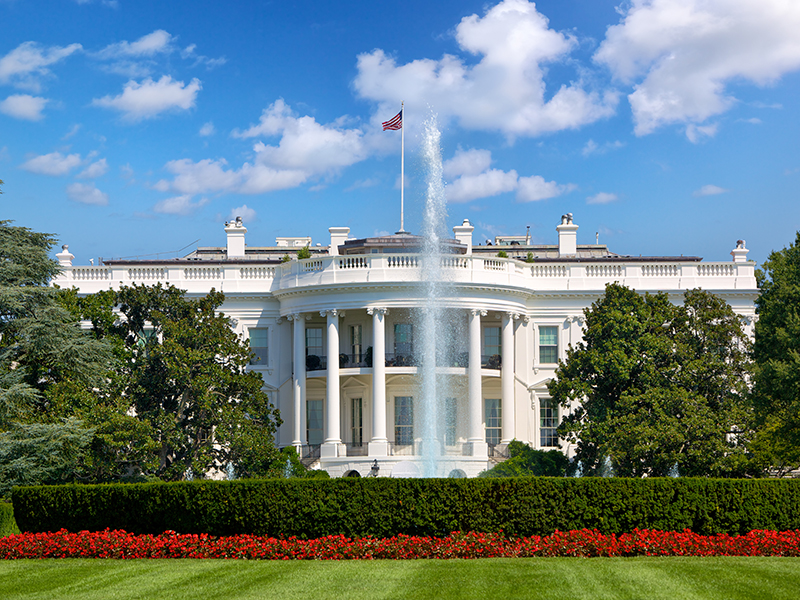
(359, 300)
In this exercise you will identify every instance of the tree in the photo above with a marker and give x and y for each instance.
(182, 373)
(524, 461)
(41, 344)
(658, 386)
(777, 355)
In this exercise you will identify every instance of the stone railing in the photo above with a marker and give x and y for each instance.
(405, 268)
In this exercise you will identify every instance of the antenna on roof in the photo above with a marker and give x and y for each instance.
(597, 238)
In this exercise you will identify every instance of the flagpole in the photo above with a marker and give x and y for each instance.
(402, 161)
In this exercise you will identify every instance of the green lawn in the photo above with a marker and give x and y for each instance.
(718, 578)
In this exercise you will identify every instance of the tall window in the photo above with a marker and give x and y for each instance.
(548, 422)
(356, 425)
(314, 422)
(493, 418)
(314, 341)
(450, 420)
(548, 345)
(403, 420)
(258, 345)
(355, 343)
(491, 341)
(403, 339)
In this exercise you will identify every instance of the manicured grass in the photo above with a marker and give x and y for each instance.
(717, 578)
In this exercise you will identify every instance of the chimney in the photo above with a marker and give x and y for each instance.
(739, 253)
(235, 230)
(463, 234)
(567, 236)
(338, 237)
(65, 256)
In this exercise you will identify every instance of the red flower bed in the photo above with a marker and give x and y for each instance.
(585, 543)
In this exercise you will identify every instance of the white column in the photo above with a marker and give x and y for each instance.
(477, 435)
(299, 412)
(331, 447)
(507, 378)
(379, 444)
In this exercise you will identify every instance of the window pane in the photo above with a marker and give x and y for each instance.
(355, 342)
(357, 429)
(403, 420)
(314, 421)
(450, 420)
(548, 422)
(403, 339)
(314, 341)
(491, 341)
(493, 420)
(548, 345)
(258, 345)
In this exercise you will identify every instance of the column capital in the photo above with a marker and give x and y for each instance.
(512, 315)
(380, 310)
(576, 319)
(526, 319)
(333, 312)
(478, 312)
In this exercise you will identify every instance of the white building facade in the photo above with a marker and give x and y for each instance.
(357, 301)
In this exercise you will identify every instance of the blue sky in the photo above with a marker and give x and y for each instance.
(669, 127)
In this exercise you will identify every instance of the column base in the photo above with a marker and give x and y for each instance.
(479, 449)
(378, 449)
(332, 450)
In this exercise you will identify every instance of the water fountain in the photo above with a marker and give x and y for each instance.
(433, 318)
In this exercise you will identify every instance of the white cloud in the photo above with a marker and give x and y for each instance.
(593, 147)
(151, 98)
(602, 198)
(698, 133)
(199, 59)
(248, 214)
(179, 205)
(54, 164)
(504, 91)
(474, 179)
(363, 184)
(157, 42)
(207, 129)
(467, 162)
(86, 193)
(681, 54)
(536, 188)
(28, 62)
(484, 185)
(94, 170)
(306, 150)
(23, 106)
(709, 190)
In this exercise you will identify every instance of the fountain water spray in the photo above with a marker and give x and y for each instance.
(432, 323)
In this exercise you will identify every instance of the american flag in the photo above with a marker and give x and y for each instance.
(396, 122)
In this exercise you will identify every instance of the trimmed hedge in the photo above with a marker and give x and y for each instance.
(7, 524)
(387, 507)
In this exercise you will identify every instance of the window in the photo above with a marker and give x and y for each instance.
(314, 422)
(356, 421)
(548, 345)
(259, 346)
(548, 422)
(450, 420)
(403, 339)
(355, 343)
(493, 417)
(403, 420)
(491, 341)
(314, 341)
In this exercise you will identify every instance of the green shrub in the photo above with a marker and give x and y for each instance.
(524, 461)
(7, 524)
(304, 252)
(385, 507)
(502, 254)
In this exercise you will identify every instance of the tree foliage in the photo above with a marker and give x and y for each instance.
(777, 355)
(41, 344)
(524, 461)
(654, 386)
(182, 373)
